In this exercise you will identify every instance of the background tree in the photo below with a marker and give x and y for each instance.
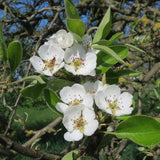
(33, 21)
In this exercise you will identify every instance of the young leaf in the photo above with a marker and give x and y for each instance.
(109, 51)
(14, 54)
(142, 130)
(52, 99)
(76, 26)
(104, 27)
(70, 9)
(33, 90)
(135, 48)
(3, 48)
(38, 78)
(105, 61)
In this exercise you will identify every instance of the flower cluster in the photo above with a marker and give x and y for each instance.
(77, 106)
(62, 50)
(78, 101)
(79, 116)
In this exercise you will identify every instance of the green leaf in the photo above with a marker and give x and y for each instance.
(135, 48)
(112, 76)
(157, 82)
(109, 51)
(38, 78)
(142, 130)
(70, 155)
(58, 84)
(104, 27)
(111, 40)
(3, 48)
(52, 99)
(33, 90)
(70, 9)
(104, 61)
(14, 54)
(76, 26)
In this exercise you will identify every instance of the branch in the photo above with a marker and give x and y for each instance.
(154, 69)
(25, 150)
(43, 131)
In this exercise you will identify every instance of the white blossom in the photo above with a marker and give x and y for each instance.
(79, 121)
(93, 87)
(80, 62)
(50, 60)
(63, 38)
(73, 96)
(112, 101)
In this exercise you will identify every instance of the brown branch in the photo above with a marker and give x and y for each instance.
(43, 131)
(154, 69)
(25, 150)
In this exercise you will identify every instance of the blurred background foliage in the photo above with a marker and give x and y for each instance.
(33, 21)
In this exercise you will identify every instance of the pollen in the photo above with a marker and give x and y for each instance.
(50, 64)
(77, 63)
(75, 102)
(79, 123)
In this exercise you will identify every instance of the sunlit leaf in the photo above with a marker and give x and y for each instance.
(104, 27)
(76, 26)
(70, 9)
(14, 54)
(142, 130)
(105, 61)
(109, 51)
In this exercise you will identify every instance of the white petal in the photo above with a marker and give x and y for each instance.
(58, 67)
(47, 72)
(112, 92)
(100, 100)
(125, 100)
(125, 111)
(76, 50)
(61, 107)
(57, 52)
(88, 101)
(70, 69)
(76, 135)
(64, 39)
(88, 114)
(69, 94)
(44, 53)
(37, 63)
(71, 114)
(91, 127)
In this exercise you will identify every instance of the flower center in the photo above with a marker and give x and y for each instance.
(112, 106)
(75, 102)
(91, 92)
(77, 63)
(50, 64)
(79, 123)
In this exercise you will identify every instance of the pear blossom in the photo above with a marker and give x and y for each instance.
(93, 87)
(80, 62)
(73, 96)
(112, 101)
(50, 60)
(79, 121)
(63, 38)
